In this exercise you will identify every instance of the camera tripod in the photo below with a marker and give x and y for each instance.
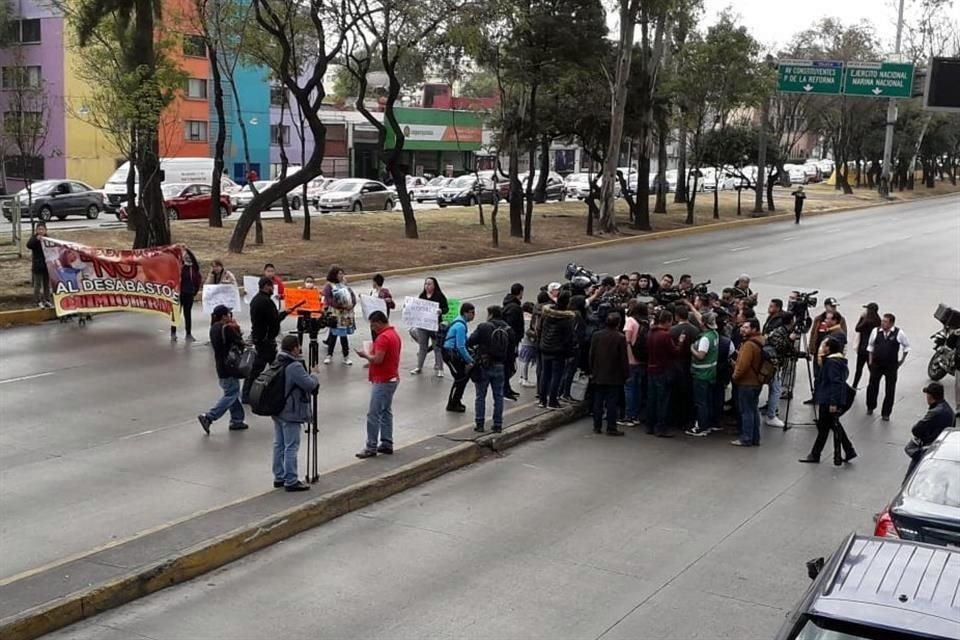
(312, 431)
(789, 379)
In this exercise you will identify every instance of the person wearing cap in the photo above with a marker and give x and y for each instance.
(869, 320)
(224, 334)
(828, 323)
(703, 367)
(939, 416)
(888, 348)
(264, 328)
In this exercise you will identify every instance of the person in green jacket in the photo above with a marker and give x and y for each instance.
(703, 368)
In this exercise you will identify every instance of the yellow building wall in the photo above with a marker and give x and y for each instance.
(90, 156)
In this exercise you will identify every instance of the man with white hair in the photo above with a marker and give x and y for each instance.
(741, 288)
(553, 290)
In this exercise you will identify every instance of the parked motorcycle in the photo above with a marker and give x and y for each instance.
(946, 341)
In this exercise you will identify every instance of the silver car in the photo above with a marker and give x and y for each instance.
(355, 194)
(243, 197)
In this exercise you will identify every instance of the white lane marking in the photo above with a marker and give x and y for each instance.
(788, 238)
(770, 273)
(489, 295)
(736, 249)
(22, 378)
(676, 261)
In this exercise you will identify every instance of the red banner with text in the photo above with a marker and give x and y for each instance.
(93, 280)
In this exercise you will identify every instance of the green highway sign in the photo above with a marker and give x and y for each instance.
(810, 76)
(878, 79)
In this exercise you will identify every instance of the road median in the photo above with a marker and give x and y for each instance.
(41, 602)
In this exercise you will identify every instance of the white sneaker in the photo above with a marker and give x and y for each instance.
(327, 360)
(348, 362)
(775, 422)
(439, 373)
(416, 371)
(527, 384)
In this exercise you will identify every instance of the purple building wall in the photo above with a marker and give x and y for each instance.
(49, 55)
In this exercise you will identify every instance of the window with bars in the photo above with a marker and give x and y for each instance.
(21, 77)
(195, 130)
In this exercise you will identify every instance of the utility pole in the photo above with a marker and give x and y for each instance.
(891, 119)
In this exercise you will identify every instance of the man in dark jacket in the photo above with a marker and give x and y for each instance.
(513, 316)
(264, 328)
(939, 416)
(224, 334)
(609, 368)
(38, 268)
(493, 341)
(830, 395)
(556, 346)
(298, 387)
(662, 355)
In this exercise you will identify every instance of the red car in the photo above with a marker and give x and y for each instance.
(188, 202)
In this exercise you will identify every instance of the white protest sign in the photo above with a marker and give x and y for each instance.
(217, 294)
(421, 314)
(251, 286)
(369, 304)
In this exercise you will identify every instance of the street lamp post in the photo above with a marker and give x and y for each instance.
(891, 119)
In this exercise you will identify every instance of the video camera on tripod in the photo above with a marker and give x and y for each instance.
(800, 304)
(579, 278)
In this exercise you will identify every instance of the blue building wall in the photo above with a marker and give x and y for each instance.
(253, 88)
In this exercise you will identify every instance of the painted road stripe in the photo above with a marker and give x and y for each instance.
(736, 249)
(22, 378)
(676, 261)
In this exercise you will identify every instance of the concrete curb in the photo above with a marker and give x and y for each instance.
(36, 316)
(221, 550)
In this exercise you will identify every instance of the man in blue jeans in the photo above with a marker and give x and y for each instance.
(224, 334)
(298, 387)
(747, 381)
(493, 340)
(384, 375)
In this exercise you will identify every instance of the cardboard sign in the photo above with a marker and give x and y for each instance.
(453, 310)
(421, 314)
(369, 304)
(250, 289)
(217, 294)
(309, 297)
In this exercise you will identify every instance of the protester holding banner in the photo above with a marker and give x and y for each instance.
(339, 301)
(425, 337)
(219, 275)
(38, 269)
(225, 334)
(190, 283)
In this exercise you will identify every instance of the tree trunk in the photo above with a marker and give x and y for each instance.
(692, 200)
(516, 190)
(494, 230)
(528, 208)
(284, 163)
(771, 183)
(476, 174)
(680, 196)
(641, 217)
(540, 195)
(216, 180)
(608, 216)
(716, 197)
(661, 204)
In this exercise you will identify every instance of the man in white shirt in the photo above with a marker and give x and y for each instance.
(887, 348)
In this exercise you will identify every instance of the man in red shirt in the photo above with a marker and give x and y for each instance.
(384, 375)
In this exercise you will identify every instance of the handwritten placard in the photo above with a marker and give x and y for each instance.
(217, 294)
(421, 314)
(369, 304)
(309, 297)
(251, 288)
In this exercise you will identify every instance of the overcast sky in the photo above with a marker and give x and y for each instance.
(774, 22)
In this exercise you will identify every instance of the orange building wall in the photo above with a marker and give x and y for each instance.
(179, 19)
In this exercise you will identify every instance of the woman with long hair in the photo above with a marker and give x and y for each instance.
(218, 274)
(190, 284)
(425, 338)
(339, 302)
(869, 320)
(830, 395)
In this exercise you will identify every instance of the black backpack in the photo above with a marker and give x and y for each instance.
(769, 363)
(639, 346)
(267, 397)
(500, 342)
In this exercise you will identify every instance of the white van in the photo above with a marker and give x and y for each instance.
(175, 170)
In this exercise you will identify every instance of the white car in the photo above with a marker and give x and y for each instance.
(242, 198)
(812, 171)
(577, 186)
(796, 172)
(318, 186)
(430, 190)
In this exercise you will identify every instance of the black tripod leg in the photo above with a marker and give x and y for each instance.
(314, 436)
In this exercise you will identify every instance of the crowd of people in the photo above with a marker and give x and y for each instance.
(669, 355)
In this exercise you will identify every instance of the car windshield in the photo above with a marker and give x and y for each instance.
(345, 186)
(437, 182)
(172, 190)
(936, 481)
(464, 182)
(578, 178)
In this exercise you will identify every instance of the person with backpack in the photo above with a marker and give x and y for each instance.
(458, 357)
(225, 335)
(746, 375)
(283, 391)
(384, 375)
(635, 331)
(493, 340)
(265, 322)
(781, 340)
(513, 316)
(704, 354)
(833, 398)
(609, 370)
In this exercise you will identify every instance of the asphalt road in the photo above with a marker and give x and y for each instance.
(99, 440)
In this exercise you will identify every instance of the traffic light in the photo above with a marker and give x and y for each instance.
(943, 85)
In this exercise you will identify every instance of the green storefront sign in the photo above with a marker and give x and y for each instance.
(436, 130)
(878, 79)
(810, 76)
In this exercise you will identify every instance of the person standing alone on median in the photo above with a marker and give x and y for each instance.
(224, 335)
(384, 376)
(298, 387)
(38, 268)
(609, 370)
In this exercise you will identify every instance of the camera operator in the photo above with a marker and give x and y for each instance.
(685, 286)
(781, 338)
(775, 315)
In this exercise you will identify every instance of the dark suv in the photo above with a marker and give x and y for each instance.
(879, 589)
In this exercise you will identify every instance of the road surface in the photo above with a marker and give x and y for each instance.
(99, 439)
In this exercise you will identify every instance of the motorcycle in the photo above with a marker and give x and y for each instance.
(945, 358)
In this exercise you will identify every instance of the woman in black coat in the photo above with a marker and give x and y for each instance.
(830, 396)
(869, 321)
(191, 282)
